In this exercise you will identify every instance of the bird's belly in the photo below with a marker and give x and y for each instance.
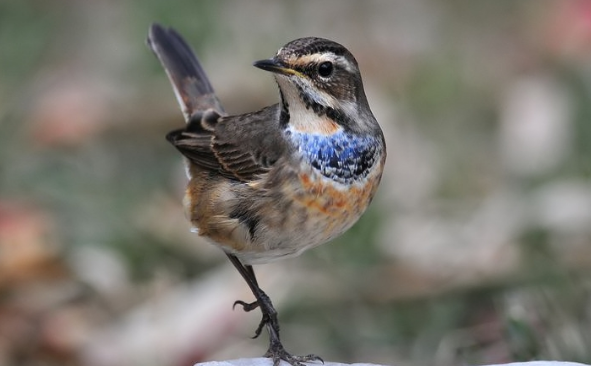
(318, 211)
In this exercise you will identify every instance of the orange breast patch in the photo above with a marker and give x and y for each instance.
(331, 200)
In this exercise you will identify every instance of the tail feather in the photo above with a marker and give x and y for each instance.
(190, 83)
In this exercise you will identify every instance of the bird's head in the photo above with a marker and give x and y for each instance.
(319, 75)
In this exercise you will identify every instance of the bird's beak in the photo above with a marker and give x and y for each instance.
(276, 66)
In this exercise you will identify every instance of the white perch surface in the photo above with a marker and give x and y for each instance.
(267, 362)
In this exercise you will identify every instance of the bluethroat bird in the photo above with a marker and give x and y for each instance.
(270, 184)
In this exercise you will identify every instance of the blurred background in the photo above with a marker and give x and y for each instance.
(476, 250)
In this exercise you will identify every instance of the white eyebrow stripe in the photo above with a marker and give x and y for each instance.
(345, 63)
(319, 58)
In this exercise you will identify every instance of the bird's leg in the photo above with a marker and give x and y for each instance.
(262, 299)
(276, 350)
(255, 304)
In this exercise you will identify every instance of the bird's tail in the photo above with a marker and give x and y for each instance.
(191, 86)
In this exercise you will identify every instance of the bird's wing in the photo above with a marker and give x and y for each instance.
(238, 147)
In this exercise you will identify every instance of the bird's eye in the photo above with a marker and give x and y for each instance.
(325, 69)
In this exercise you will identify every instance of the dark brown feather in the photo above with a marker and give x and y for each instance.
(238, 153)
(238, 147)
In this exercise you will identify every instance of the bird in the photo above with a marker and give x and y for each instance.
(270, 184)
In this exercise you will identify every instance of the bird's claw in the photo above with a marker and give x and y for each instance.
(246, 306)
(277, 353)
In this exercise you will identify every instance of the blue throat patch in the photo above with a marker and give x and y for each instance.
(342, 157)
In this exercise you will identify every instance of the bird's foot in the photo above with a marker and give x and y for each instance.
(277, 353)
